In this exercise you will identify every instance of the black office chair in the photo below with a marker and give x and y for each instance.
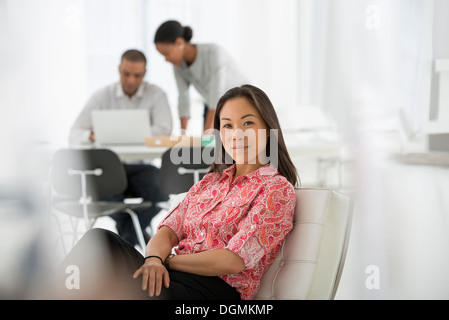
(182, 167)
(81, 177)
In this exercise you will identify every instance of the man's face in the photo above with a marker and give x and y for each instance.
(131, 76)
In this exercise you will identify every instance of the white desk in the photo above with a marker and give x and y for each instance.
(315, 151)
(129, 153)
(135, 153)
(324, 154)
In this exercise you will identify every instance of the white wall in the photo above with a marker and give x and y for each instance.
(321, 53)
(65, 50)
(261, 35)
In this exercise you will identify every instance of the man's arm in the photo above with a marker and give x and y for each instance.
(81, 131)
(161, 118)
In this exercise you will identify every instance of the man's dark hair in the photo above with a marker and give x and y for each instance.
(134, 56)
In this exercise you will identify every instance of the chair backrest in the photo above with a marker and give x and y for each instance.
(178, 166)
(111, 181)
(310, 263)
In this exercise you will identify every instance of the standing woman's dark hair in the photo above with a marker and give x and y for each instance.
(260, 100)
(170, 30)
(208, 67)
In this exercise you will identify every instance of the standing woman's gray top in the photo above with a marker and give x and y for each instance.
(212, 73)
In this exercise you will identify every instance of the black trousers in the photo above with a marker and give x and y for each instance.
(106, 263)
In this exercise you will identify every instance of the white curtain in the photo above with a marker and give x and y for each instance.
(369, 59)
(349, 57)
(377, 65)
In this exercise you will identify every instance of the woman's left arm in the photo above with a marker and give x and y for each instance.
(208, 263)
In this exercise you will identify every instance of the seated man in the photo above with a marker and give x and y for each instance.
(131, 93)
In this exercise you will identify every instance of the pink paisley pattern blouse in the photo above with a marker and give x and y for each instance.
(251, 216)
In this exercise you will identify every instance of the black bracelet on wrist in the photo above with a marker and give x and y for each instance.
(148, 257)
(167, 261)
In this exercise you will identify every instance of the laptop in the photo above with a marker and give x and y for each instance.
(121, 127)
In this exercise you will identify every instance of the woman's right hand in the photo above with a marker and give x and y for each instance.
(154, 274)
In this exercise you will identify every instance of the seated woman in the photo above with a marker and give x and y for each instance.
(226, 231)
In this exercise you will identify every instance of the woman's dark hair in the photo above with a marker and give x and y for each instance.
(170, 30)
(260, 100)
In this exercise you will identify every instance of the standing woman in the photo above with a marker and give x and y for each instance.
(208, 67)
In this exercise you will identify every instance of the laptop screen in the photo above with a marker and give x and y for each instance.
(121, 127)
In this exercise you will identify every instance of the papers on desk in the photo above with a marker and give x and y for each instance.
(171, 141)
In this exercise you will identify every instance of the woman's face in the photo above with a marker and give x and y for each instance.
(173, 52)
(243, 132)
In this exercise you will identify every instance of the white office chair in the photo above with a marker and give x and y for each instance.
(310, 263)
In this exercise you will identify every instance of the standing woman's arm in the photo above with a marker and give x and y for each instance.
(217, 83)
(183, 99)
